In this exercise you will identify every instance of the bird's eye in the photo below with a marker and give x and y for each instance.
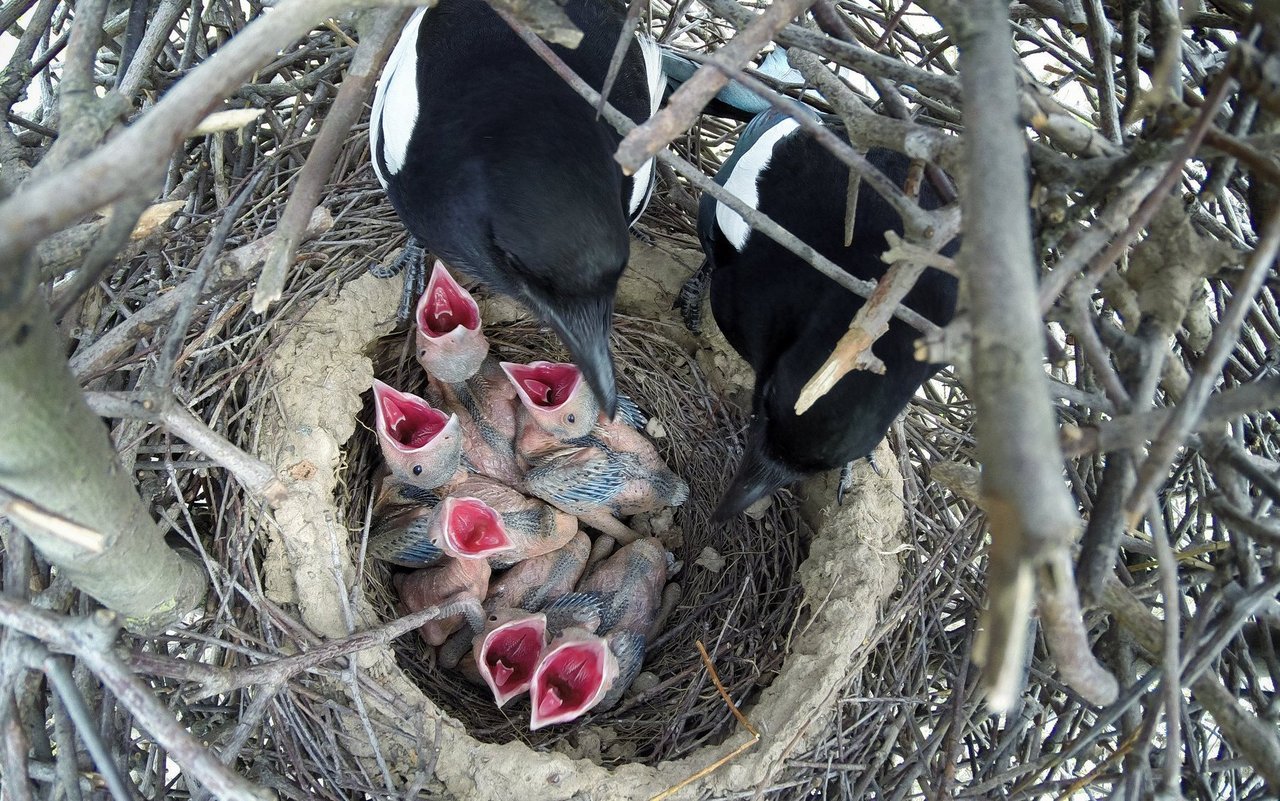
(417, 469)
(571, 419)
(422, 353)
(493, 618)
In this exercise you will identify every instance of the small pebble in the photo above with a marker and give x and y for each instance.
(710, 559)
(655, 429)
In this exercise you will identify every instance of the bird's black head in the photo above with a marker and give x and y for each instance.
(843, 425)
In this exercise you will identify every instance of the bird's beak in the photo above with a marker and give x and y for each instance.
(584, 326)
(575, 672)
(472, 529)
(759, 474)
(507, 656)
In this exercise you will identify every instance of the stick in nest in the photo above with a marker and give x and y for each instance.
(732, 755)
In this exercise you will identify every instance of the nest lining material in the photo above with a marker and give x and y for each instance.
(748, 614)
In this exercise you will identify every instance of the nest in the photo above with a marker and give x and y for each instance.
(740, 595)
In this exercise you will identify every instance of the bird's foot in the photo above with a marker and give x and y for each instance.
(601, 550)
(846, 482)
(412, 262)
(670, 598)
(846, 476)
(689, 301)
(454, 648)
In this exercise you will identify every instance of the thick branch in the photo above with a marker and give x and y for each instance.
(1032, 516)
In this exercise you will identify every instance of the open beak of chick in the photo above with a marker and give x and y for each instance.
(472, 529)
(508, 652)
(422, 445)
(450, 344)
(576, 671)
(556, 396)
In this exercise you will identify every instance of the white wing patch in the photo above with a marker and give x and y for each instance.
(742, 182)
(395, 102)
(642, 181)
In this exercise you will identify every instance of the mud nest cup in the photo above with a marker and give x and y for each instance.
(782, 601)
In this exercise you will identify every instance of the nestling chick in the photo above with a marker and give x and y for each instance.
(450, 581)
(457, 527)
(452, 349)
(504, 654)
(580, 461)
(525, 527)
(584, 669)
(422, 445)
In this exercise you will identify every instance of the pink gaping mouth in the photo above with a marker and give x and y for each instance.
(544, 384)
(409, 421)
(472, 529)
(446, 305)
(569, 681)
(510, 654)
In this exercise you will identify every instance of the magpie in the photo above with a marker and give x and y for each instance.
(501, 170)
(784, 317)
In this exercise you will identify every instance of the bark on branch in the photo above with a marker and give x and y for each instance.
(1032, 516)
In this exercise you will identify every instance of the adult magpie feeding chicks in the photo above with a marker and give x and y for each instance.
(500, 169)
(784, 317)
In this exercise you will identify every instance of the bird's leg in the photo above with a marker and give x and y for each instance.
(846, 476)
(689, 301)
(600, 551)
(455, 648)
(846, 482)
(670, 597)
(412, 262)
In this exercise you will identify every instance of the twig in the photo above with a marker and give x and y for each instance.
(162, 376)
(1170, 679)
(625, 37)
(60, 677)
(1251, 737)
(257, 476)
(276, 672)
(380, 30)
(732, 755)
(139, 154)
(89, 640)
(687, 102)
(236, 265)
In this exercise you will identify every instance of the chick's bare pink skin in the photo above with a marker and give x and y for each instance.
(575, 672)
(532, 527)
(421, 444)
(451, 344)
(450, 581)
(630, 582)
(508, 650)
(534, 582)
(486, 407)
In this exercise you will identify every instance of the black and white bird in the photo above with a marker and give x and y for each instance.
(499, 168)
(784, 317)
